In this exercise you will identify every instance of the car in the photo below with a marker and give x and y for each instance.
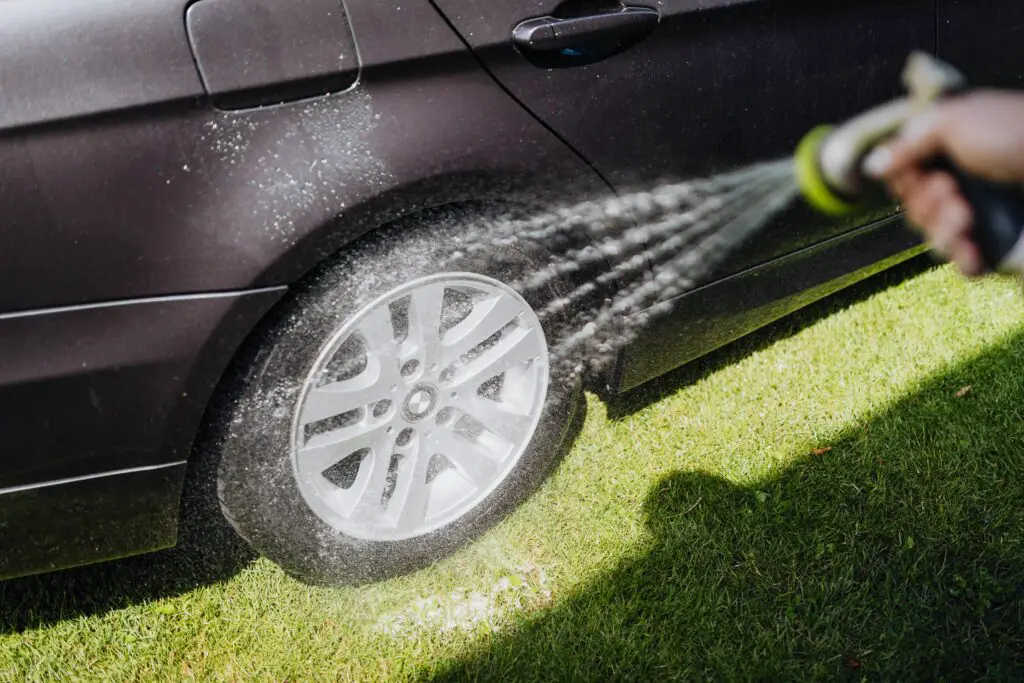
(236, 217)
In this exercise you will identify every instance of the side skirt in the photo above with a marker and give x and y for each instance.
(44, 527)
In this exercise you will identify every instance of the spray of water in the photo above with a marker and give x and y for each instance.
(629, 256)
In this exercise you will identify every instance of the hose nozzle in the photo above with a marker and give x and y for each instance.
(829, 159)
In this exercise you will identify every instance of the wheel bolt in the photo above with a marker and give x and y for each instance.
(381, 408)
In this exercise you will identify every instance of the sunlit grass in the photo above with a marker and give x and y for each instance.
(699, 535)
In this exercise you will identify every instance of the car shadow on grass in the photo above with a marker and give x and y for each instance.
(895, 552)
(208, 552)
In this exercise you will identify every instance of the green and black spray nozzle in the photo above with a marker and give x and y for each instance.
(829, 165)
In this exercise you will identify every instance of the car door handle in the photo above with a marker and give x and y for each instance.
(586, 37)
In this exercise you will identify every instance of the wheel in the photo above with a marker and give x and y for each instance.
(397, 408)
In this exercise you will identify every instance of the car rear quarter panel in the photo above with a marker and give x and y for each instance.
(121, 219)
(187, 198)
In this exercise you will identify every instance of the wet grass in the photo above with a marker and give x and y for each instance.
(845, 502)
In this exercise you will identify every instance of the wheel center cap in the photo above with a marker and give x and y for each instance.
(420, 402)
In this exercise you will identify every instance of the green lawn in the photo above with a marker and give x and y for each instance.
(823, 502)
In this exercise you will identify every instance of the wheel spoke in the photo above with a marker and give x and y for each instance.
(486, 318)
(325, 450)
(494, 416)
(338, 398)
(472, 461)
(514, 349)
(377, 330)
(425, 305)
(412, 493)
(368, 489)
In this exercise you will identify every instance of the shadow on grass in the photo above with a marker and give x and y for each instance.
(668, 384)
(208, 552)
(896, 555)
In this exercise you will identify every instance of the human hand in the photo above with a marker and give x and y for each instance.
(983, 134)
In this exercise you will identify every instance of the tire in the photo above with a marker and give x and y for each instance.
(278, 434)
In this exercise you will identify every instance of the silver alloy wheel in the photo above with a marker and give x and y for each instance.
(420, 406)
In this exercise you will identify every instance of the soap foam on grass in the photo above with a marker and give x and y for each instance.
(469, 610)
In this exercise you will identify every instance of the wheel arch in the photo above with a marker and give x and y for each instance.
(230, 372)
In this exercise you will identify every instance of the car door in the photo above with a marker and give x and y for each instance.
(985, 39)
(711, 85)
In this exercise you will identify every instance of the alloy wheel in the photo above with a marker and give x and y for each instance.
(420, 406)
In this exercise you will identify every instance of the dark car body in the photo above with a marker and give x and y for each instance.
(168, 169)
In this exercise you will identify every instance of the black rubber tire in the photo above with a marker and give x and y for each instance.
(256, 485)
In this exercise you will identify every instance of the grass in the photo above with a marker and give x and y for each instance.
(828, 501)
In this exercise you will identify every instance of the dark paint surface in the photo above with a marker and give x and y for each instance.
(104, 388)
(991, 53)
(59, 60)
